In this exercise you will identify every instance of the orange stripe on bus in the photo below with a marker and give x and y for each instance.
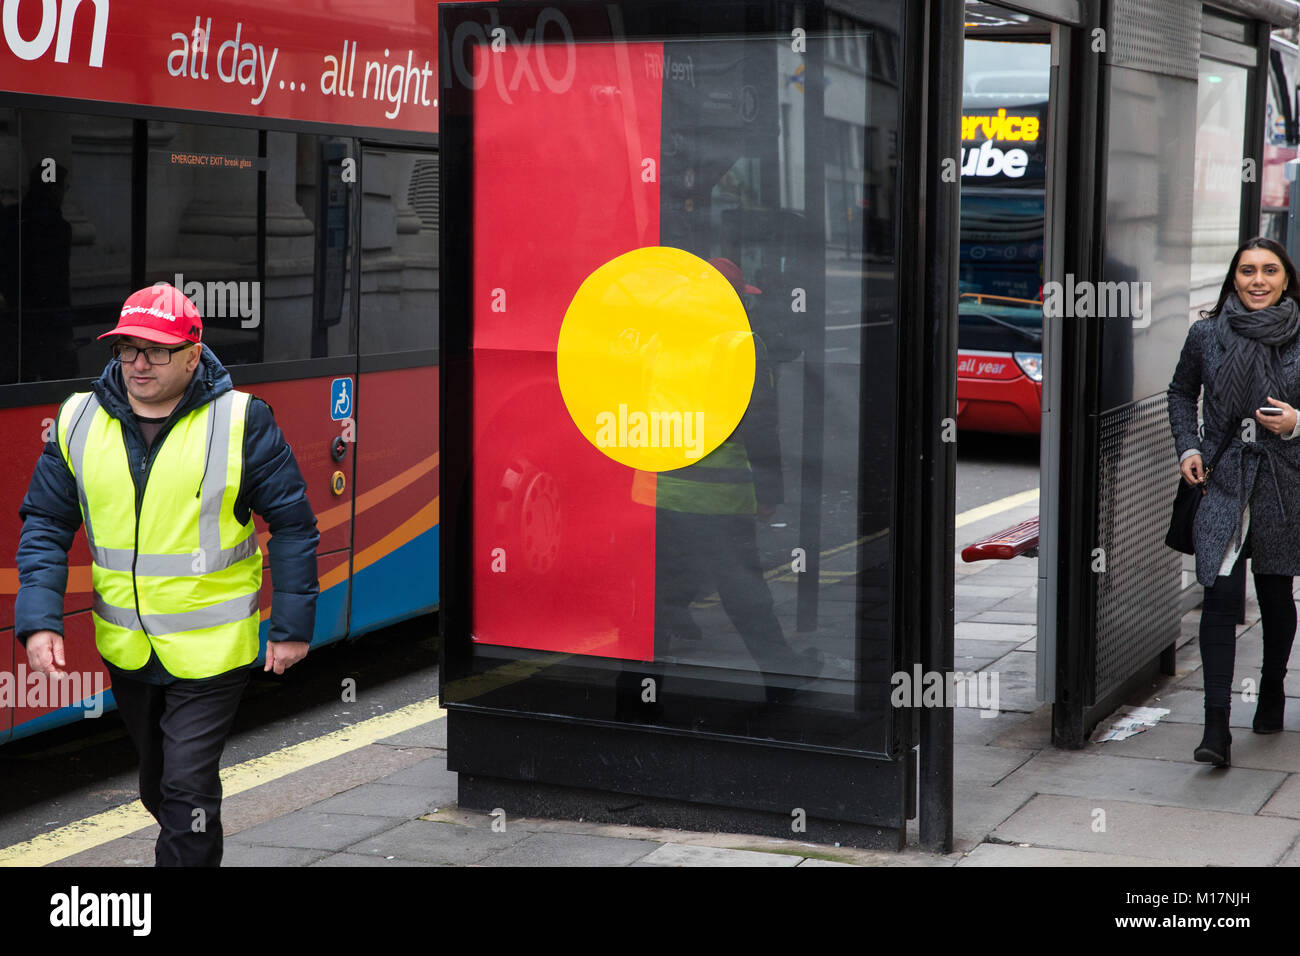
(332, 517)
(79, 574)
(414, 526)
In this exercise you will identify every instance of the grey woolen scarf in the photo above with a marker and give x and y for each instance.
(1252, 365)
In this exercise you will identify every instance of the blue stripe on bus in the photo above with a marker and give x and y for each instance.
(64, 715)
(401, 584)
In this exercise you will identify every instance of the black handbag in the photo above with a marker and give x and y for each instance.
(1186, 500)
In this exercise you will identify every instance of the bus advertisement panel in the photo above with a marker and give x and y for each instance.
(350, 62)
(1003, 176)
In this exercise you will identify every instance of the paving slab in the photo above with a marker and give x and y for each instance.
(311, 830)
(1019, 602)
(430, 772)
(390, 800)
(976, 764)
(993, 631)
(242, 811)
(1292, 857)
(354, 859)
(1187, 705)
(1017, 681)
(967, 606)
(1134, 779)
(973, 654)
(998, 854)
(1242, 672)
(433, 734)
(431, 842)
(1285, 802)
(978, 810)
(1176, 742)
(1034, 732)
(554, 849)
(804, 863)
(1002, 616)
(238, 854)
(678, 854)
(965, 588)
(120, 852)
(970, 728)
(1163, 834)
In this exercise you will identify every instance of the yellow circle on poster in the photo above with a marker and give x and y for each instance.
(656, 358)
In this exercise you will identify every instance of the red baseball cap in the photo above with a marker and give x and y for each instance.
(731, 272)
(161, 313)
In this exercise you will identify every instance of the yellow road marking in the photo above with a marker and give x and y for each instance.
(119, 822)
(783, 573)
(996, 507)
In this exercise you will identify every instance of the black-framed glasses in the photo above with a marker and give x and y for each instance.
(154, 354)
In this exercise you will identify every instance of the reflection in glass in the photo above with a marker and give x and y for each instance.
(757, 592)
(1216, 204)
(399, 258)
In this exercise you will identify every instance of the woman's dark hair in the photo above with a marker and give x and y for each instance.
(1292, 290)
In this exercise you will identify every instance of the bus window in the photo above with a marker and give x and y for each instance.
(74, 241)
(10, 193)
(399, 263)
(202, 230)
(309, 206)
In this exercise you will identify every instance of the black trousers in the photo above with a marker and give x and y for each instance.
(693, 552)
(179, 731)
(1222, 608)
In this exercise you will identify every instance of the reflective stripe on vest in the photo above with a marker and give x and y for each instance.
(182, 575)
(720, 483)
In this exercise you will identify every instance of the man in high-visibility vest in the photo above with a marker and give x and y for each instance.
(705, 531)
(165, 464)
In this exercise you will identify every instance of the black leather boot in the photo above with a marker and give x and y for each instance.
(1270, 707)
(1216, 745)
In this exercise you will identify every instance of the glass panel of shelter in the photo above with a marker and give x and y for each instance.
(771, 616)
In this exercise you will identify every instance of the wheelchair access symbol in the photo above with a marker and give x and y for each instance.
(341, 399)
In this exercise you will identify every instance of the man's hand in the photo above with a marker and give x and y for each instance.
(45, 653)
(1193, 469)
(281, 655)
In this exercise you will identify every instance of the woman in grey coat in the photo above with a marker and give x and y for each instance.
(1245, 353)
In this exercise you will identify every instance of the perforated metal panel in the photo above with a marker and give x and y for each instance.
(1138, 592)
(1158, 36)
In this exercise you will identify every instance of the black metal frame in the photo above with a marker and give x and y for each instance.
(579, 767)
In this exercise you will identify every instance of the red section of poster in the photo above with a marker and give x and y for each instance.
(355, 62)
(564, 181)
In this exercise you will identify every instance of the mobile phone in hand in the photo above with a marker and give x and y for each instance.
(1270, 411)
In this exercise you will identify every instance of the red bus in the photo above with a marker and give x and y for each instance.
(1281, 137)
(1003, 185)
(278, 163)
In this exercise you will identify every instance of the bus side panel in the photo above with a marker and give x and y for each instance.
(395, 570)
(25, 430)
(10, 654)
(44, 704)
(302, 411)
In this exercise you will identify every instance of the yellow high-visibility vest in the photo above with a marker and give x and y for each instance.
(183, 575)
(720, 483)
